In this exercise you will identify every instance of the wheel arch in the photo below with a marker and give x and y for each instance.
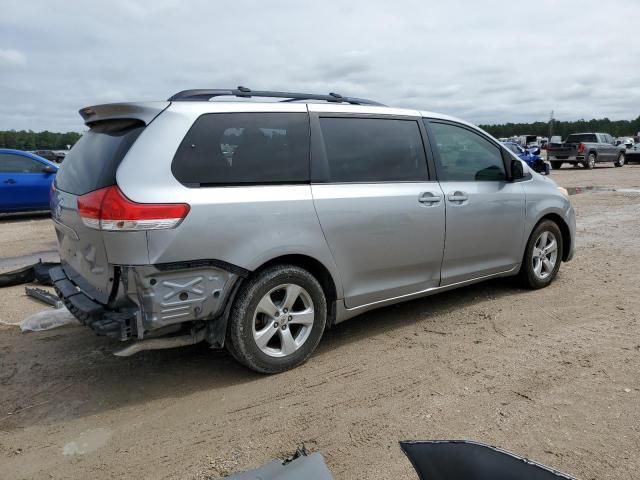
(318, 270)
(564, 230)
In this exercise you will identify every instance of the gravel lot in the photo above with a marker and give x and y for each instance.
(551, 374)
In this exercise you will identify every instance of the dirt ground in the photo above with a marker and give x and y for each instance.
(551, 375)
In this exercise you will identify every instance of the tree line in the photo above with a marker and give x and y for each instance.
(30, 140)
(617, 128)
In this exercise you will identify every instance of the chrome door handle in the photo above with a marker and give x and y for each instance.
(428, 198)
(458, 197)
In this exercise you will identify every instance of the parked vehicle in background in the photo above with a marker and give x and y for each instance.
(25, 181)
(530, 156)
(586, 149)
(633, 154)
(627, 142)
(256, 226)
(526, 140)
(60, 155)
(51, 155)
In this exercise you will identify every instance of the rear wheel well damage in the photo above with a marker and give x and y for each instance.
(319, 271)
(564, 230)
(217, 334)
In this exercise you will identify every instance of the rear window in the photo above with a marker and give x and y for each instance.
(244, 148)
(92, 162)
(581, 137)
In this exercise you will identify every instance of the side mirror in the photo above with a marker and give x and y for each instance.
(517, 170)
(49, 169)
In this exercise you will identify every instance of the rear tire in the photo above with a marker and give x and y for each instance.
(619, 161)
(590, 162)
(277, 319)
(542, 256)
(556, 165)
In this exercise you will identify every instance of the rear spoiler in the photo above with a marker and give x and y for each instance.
(143, 111)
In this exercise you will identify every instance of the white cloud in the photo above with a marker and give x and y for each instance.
(10, 58)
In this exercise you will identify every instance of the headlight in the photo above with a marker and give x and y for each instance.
(564, 191)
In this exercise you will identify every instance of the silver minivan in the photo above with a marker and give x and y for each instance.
(255, 225)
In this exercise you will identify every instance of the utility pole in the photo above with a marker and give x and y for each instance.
(551, 126)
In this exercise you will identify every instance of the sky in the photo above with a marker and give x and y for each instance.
(490, 61)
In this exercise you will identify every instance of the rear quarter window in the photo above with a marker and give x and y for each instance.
(244, 148)
(93, 161)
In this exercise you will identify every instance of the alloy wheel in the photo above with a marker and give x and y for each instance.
(545, 255)
(283, 320)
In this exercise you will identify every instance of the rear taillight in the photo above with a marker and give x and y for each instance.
(109, 209)
(581, 148)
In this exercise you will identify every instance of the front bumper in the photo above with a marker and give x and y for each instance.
(572, 231)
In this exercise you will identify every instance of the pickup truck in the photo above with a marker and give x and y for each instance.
(586, 149)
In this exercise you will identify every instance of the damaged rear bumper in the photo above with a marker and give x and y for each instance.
(115, 324)
(154, 300)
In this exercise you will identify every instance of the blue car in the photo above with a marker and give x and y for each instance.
(25, 181)
(531, 157)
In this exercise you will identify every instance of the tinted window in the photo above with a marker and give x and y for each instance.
(466, 155)
(19, 164)
(92, 162)
(373, 150)
(244, 148)
(581, 137)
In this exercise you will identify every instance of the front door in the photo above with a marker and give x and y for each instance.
(485, 212)
(23, 185)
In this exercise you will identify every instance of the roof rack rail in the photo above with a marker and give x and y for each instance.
(244, 92)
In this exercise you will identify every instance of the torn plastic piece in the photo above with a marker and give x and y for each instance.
(41, 272)
(17, 277)
(48, 319)
(300, 466)
(465, 460)
(43, 296)
(38, 272)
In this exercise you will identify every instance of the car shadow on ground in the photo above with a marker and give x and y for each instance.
(74, 374)
(22, 216)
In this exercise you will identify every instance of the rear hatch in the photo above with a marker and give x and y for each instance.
(91, 165)
(562, 151)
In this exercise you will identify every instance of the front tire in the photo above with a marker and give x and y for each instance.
(620, 160)
(277, 319)
(543, 255)
(556, 165)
